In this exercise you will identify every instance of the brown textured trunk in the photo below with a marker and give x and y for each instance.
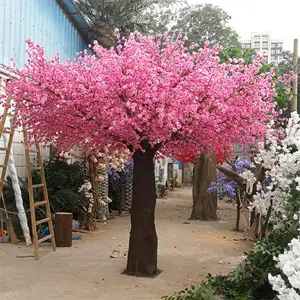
(142, 255)
(103, 32)
(238, 215)
(204, 203)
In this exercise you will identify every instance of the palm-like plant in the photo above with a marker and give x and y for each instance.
(126, 15)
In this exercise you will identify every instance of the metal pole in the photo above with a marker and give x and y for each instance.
(295, 81)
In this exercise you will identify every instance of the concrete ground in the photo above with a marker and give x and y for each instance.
(187, 253)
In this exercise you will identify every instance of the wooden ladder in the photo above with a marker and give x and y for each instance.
(45, 201)
(30, 168)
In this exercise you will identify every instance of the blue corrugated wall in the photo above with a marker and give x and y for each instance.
(44, 22)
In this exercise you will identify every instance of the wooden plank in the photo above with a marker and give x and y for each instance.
(40, 203)
(31, 199)
(88, 232)
(45, 193)
(9, 144)
(42, 221)
(33, 150)
(45, 238)
(37, 185)
(35, 168)
(82, 231)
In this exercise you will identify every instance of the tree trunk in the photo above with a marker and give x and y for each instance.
(142, 255)
(238, 215)
(204, 203)
(103, 32)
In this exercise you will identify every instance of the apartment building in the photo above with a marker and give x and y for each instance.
(262, 43)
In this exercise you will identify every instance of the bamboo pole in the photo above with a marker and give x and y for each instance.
(295, 81)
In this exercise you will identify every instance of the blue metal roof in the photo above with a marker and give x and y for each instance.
(56, 26)
(76, 17)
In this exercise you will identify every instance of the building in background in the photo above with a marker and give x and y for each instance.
(178, 172)
(262, 43)
(161, 170)
(55, 24)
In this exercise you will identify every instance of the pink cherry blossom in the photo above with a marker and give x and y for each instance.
(149, 89)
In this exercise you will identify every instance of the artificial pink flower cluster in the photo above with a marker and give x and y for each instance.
(150, 89)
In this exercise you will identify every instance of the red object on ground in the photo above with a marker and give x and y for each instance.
(2, 232)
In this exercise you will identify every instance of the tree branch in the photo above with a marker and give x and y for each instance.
(235, 176)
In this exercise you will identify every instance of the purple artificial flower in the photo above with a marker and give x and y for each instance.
(224, 186)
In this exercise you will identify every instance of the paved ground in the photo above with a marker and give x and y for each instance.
(187, 252)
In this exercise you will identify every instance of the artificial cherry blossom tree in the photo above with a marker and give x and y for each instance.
(149, 94)
(278, 159)
(287, 283)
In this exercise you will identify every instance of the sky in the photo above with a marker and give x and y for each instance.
(279, 17)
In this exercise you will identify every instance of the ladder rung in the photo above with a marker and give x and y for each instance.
(45, 238)
(7, 131)
(35, 168)
(10, 115)
(42, 221)
(33, 150)
(3, 149)
(36, 204)
(2, 166)
(37, 185)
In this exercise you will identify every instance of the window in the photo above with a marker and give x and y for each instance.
(246, 45)
(257, 37)
(266, 39)
(256, 44)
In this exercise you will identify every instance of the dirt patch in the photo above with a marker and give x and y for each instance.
(187, 253)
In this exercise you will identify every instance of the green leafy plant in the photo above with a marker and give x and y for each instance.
(63, 181)
(177, 183)
(251, 276)
(203, 292)
(161, 190)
